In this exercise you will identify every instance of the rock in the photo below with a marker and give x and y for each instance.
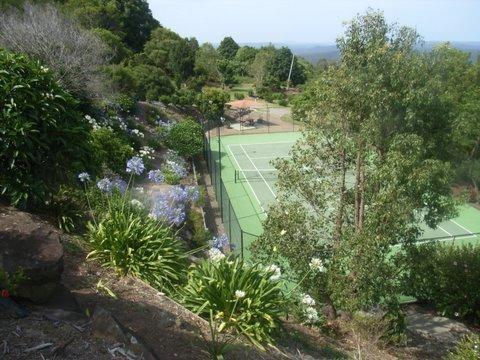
(427, 331)
(34, 246)
(105, 326)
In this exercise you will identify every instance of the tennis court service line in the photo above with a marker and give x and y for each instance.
(248, 182)
(444, 230)
(248, 157)
(463, 227)
(269, 157)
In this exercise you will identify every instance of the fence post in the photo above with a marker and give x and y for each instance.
(220, 171)
(241, 243)
(229, 220)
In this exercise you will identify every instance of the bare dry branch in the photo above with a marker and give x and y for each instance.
(42, 32)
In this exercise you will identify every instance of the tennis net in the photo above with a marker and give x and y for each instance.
(255, 175)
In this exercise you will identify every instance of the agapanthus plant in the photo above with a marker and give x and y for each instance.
(171, 206)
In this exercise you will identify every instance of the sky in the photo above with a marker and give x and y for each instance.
(312, 21)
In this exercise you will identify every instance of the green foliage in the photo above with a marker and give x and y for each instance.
(44, 138)
(186, 138)
(278, 69)
(206, 62)
(129, 20)
(11, 281)
(211, 102)
(228, 48)
(68, 209)
(118, 50)
(227, 71)
(126, 239)
(111, 150)
(174, 55)
(239, 95)
(445, 275)
(212, 287)
(125, 105)
(370, 161)
(467, 349)
(201, 236)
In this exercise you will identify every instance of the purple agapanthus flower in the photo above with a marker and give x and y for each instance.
(120, 185)
(156, 176)
(105, 185)
(220, 242)
(172, 206)
(135, 165)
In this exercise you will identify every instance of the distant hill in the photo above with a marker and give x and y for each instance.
(315, 52)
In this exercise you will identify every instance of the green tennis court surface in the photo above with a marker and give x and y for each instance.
(250, 180)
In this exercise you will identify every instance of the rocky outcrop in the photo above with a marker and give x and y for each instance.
(34, 247)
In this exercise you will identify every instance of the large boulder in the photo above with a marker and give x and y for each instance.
(34, 246)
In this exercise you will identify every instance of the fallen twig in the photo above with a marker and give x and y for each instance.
(6, 349)
(38, 347)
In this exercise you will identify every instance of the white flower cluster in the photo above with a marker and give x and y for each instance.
(275, 271)
(316, 264)
(215, 255)
(311, 315)
(309, 311)
(48, 95)
(147, 152)
(239, 294)
(137, 132)
(137, 204)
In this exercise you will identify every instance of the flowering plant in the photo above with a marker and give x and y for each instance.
(241, 297)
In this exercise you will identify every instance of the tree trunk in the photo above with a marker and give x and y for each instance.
(341, 205)
(359, 189)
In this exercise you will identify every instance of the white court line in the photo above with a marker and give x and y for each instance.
(269, 157)
(444, 230)
(248, 157)
(463, 227)
(268, 143)
(248, 182)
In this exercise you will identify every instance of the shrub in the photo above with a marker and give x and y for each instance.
(44, 140)
(445, 275)
(241, 297)
(186, 138)
(126, 104)
(128, 240)
(73, 54)
(467, 349)
(111, 150)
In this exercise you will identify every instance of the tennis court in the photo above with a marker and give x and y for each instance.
(250, 181)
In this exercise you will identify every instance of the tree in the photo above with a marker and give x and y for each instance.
(366, 174)
(118, 50)
(73, 54)
(211, 103)
(278, 68)
(227, 72)
(181, 60)
(258, 68)
(171, 53)
(131, 20)
(244, 58)
(228, 48)
(206, 62)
